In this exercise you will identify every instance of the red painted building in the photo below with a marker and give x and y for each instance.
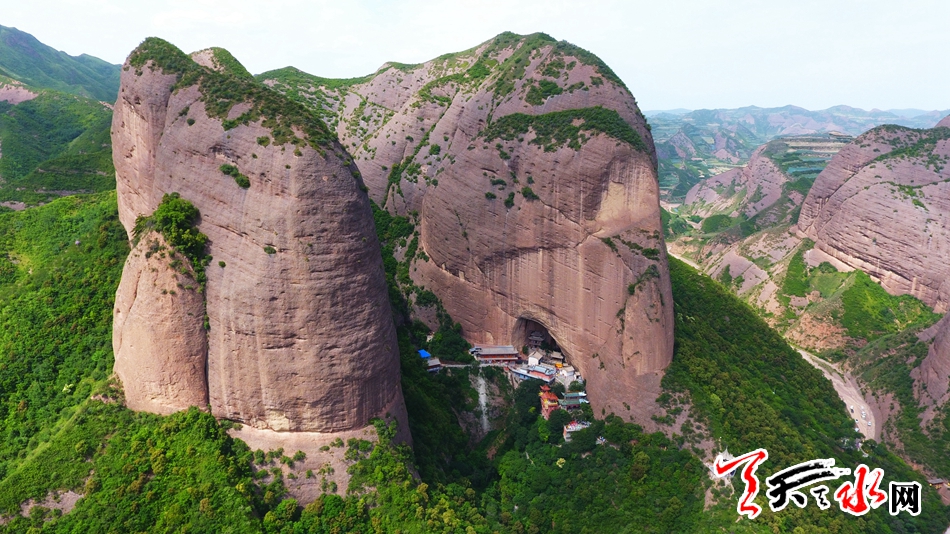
(549, 402)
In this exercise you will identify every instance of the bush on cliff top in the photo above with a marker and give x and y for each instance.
(176, 219)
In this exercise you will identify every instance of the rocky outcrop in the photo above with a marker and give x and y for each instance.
(746, 190)
(771, 186)
(532, 173)
(932, 377)
(14, 92)
(944, 123)
(882, 205)
(299, 334)
(158, 338)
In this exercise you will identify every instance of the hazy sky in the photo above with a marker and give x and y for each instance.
(671, 53)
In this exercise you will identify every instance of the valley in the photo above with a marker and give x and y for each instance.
(481, 293)
(872, 339)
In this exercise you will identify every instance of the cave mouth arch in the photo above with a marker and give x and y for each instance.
(530, 334)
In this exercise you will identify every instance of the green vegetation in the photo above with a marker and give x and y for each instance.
(59, 268)
(725, 277)
(233, 171)
(514, 66)
(796, 277)
(24, 58)
(752, 390)
(540, 92)
(228, 64)
(142, 472)
(293, 77)
(316, 93)
(869, 311)
(716, 223)
(176, 218)
(220, 92)
(145, 473)
(471, 77)
(557, 129)
(652, 253)
(526, 46)
(909, 143)
(886, 364)
(510, 200)
(673, 224)
(528, 194)
(53, 144)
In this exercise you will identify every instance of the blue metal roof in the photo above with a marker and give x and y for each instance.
(424, 353)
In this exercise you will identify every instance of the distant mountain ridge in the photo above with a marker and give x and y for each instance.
(902, 113)
(26, 59)
(706, 142)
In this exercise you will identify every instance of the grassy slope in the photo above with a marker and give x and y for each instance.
(56, 313)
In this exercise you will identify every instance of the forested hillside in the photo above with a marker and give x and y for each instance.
(55, 144)
(64, 430)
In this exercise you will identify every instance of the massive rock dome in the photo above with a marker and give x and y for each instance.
(532, 175)
(882, 205)
(293, 330)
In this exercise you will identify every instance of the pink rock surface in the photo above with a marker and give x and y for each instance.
(153, 309)
(889, 217)
(15, 93)
(301, 339)
(761, 180)
(932, 377)
(543, 260)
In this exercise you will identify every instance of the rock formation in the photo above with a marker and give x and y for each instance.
(932, 377)
(882, 205)
(532, 173)
(158, 332)
(771, 185)
(14, 92)
(299, 333)
(746, 190)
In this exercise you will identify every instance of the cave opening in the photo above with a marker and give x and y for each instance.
(530, 336)
(544, 358)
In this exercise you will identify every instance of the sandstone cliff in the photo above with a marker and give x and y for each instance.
(299, 334)
(882, 205)
(932, 377)
(158, 331)
(532, 173)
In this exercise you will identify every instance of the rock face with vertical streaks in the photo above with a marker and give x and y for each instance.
(932, 376)
(532, 175)
(299, 335)
(882, 205)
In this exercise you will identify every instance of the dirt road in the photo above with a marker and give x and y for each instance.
(850, 393)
